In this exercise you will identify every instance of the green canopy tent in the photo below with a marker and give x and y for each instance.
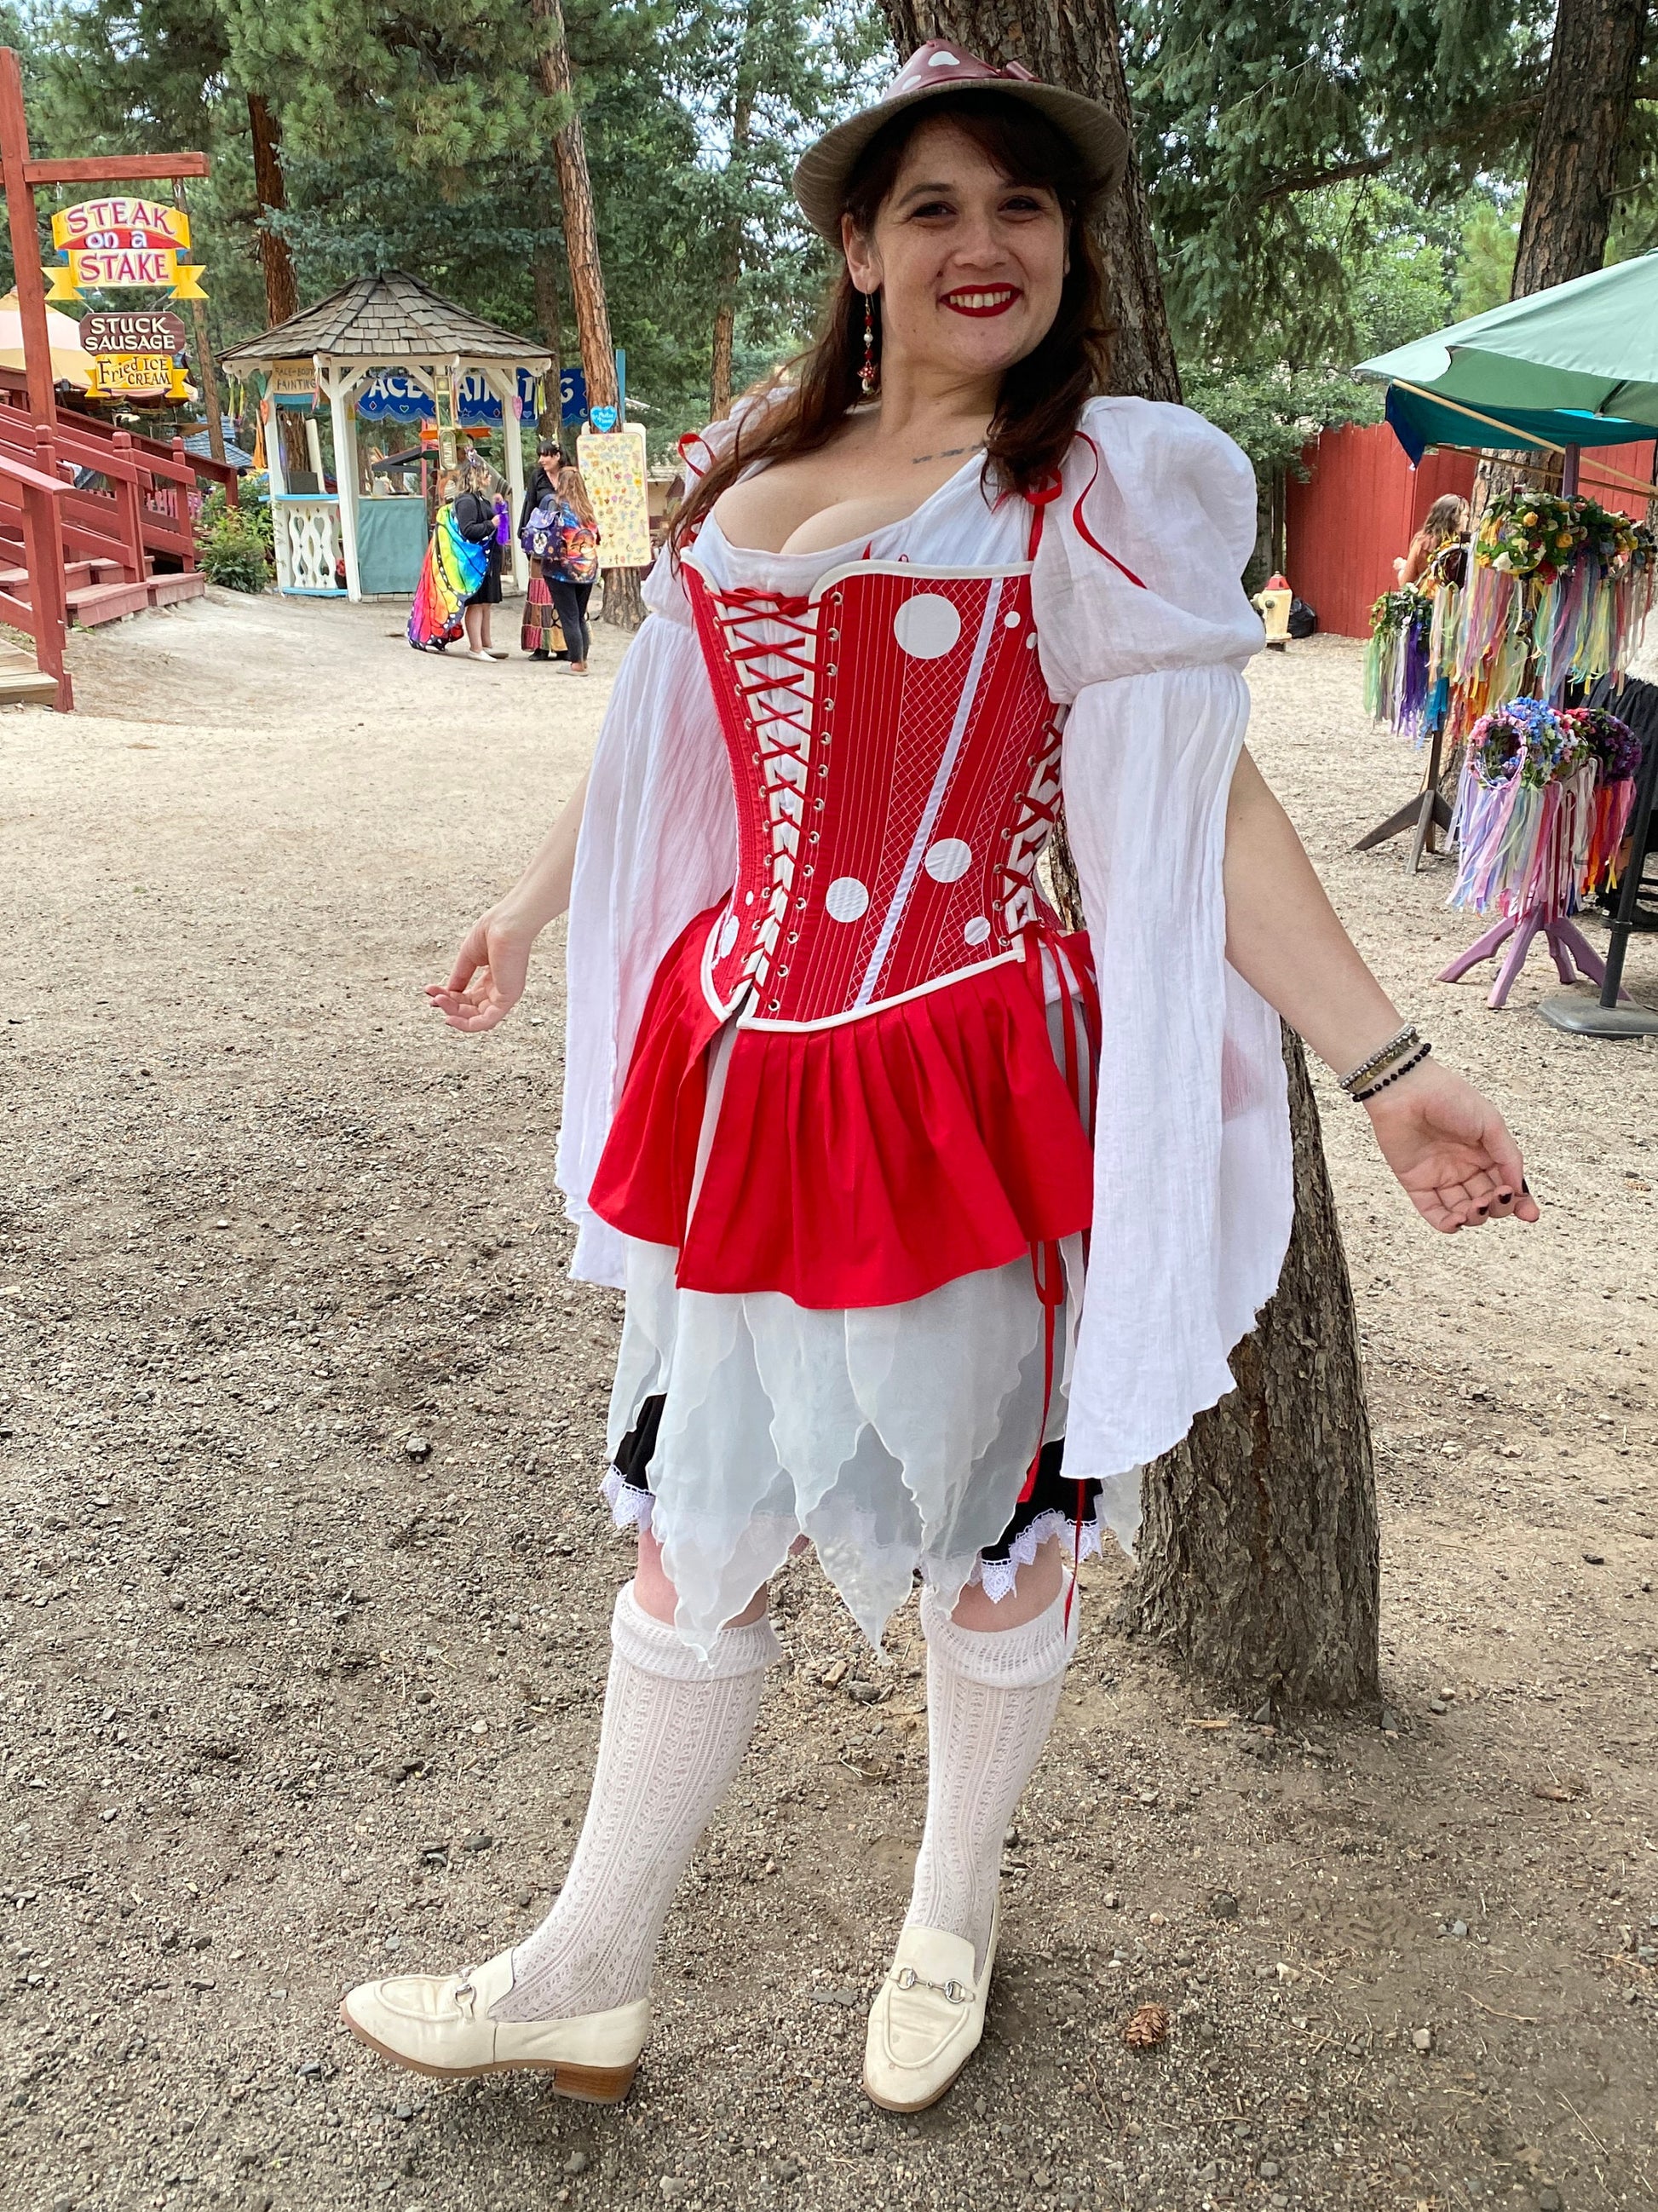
(1575, 366)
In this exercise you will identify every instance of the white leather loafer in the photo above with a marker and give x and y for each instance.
(928, 2018)
(441, 2025)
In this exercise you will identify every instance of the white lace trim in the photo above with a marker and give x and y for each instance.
(630, 1506)
(997, 1576)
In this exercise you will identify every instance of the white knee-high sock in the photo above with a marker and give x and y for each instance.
(991, 1696)
(673, 1735)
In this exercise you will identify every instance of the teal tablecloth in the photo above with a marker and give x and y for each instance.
(391, 544)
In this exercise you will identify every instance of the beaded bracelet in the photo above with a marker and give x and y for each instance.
(1394, 1046)
(1416, 1059)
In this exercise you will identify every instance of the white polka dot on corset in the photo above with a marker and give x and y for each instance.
(948, 860)
(845, 899)
(727, 934)
(976, 931)
(926, 626)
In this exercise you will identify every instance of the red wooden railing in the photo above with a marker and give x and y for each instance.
(39, 492)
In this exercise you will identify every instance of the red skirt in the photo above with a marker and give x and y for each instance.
(857, 1165)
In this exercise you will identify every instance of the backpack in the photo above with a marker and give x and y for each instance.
(539, 534)
(576, 555)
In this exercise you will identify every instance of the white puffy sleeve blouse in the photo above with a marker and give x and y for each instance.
(1193, 1185)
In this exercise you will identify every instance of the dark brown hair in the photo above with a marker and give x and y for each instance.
(1041, 396)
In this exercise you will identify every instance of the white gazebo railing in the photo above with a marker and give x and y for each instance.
(306, 527)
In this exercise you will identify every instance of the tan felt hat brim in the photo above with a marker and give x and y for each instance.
(820, 177)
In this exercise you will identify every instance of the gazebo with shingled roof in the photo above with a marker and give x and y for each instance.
(390, 321)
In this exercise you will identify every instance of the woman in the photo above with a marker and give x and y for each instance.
(573, 564)
(1447, 517)
(451, 573)
(478, 511)
(832, 1061)
(540, 635)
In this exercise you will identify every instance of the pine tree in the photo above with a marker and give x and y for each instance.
(1589, 105)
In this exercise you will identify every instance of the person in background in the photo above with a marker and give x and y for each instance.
(478, 510)
(1446, 519)
(573, 564)
(540, 635)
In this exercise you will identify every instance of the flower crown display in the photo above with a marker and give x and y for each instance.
(1406, 681)
(1542, 807)
(1558, 591)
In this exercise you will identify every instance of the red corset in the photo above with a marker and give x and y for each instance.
(892, 1114)
(894, 758)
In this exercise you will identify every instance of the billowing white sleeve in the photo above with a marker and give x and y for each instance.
(1192, 1182)
(658, 845)
(1144, 631)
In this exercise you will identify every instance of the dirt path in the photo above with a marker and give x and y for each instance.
(303, 1579)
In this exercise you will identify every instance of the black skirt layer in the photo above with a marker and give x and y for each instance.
(1055, 1499)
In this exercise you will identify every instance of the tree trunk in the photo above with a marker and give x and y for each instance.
(1259, 1553)
(731, 251)
(620, 605)
(1588, 99)
(592, 314)
(544, 278)
(1241, 1572)
(282, 291)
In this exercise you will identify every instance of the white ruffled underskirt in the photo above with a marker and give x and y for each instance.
(892, 1438)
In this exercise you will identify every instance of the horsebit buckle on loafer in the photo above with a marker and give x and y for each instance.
(906, 1978)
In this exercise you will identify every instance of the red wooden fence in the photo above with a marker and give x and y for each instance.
(1364, 502)
(1355, 514)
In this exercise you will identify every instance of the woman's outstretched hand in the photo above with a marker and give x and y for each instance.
(1450, 1150)
(489, 976)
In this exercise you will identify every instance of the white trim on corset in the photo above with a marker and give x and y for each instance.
(914, 570)
(935, 797)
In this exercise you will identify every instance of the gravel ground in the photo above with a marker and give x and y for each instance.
(305, 1581)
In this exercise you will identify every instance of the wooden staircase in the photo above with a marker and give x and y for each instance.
(100, 591)
(21, 684)
(93, 525)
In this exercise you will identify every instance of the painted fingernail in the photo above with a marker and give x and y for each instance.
(1482, 1209)
(1507, 1197)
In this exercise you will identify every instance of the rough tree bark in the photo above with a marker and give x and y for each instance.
(622, 604)
(544, 279)
(1258, 1562)
(281, 289)
(1588, 98)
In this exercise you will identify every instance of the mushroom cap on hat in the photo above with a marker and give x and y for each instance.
(938, 67)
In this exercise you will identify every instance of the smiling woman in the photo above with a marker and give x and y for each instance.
(844, 1103)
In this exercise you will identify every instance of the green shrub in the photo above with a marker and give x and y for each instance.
(234, 554)
(232, 544)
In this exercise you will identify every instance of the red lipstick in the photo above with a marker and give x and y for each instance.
(981, 300)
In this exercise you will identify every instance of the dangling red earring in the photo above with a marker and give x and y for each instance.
(869, 375)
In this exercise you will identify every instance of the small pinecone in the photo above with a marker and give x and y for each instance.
(1148, 2028)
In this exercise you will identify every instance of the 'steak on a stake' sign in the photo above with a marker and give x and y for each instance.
(120, 222)
(122, 239)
